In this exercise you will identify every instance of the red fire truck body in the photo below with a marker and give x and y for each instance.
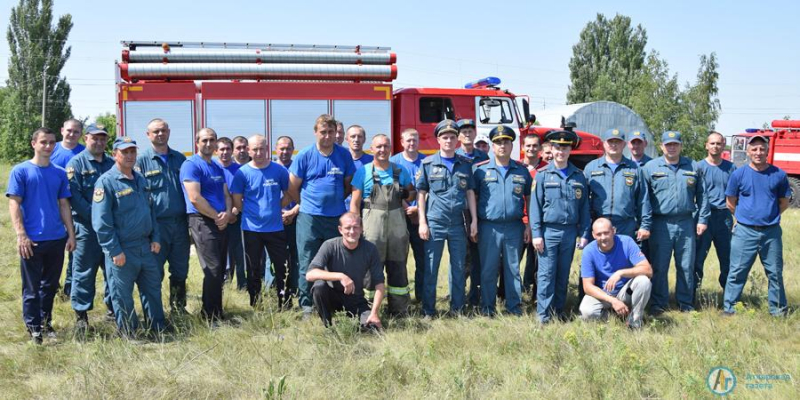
(275, 90)
(784, 150)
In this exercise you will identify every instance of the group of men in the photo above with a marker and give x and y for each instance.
(329, 222)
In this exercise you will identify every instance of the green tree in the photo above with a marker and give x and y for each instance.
(607, 60)
(38, 53)
(609, 63)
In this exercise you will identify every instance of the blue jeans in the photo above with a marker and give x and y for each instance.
(496, 240)
(719, 232)
(554, 266)
(767, 243)
(312, 231)
(456, 239)
(668, 235)
(142, 269)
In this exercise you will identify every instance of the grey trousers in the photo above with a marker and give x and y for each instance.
(639, 288)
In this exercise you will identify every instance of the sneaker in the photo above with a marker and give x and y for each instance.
(110, 316)
(36, 337)
(48, 331)
(635, 325)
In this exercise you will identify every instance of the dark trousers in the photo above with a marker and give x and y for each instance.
(211, 244)
(418, 248)
(328, 301)
(236, 254)
(291, 240)
(531, 268)
(40, 275)
(276, 246)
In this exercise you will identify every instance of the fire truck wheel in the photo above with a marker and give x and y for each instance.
(794, 183)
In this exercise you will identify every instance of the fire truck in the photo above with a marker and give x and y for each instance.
(784, 150)
(274, 90)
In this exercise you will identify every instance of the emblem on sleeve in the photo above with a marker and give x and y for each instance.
(629, 181)
(99, 195)
(690, 182)
(70, 172)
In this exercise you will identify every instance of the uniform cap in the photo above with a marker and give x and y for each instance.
(445, 126)
(671, 137)
(612, 134)
(501, 132)
(562, 137)
(96, 130)
(124, 143)
(637, 135)
(463, 123)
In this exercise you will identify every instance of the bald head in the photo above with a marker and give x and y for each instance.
(258, 149)
(601, 224)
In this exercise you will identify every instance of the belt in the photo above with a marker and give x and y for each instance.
(758, 227)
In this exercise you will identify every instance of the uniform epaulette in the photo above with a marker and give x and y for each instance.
(427, 160)
(484, 162)
(459, 157)
(542, 169)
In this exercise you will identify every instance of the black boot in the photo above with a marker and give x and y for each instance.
(177, 296)
(81, 325)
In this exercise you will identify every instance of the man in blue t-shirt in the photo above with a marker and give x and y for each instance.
(716, 173)
(70, 145)
(284, 147)
(235, 257)
(382, 187)
(757, 194)
(257, 190)
(411, 160)
(208, 205)
(38, 203)
(320, 181)
(64, 151)
(356, 137)
(616, 275)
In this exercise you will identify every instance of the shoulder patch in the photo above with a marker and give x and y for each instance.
(99, 195)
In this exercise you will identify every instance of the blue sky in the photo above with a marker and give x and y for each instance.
(527, 44)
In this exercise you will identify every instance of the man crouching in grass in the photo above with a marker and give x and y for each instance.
(615, 275)
(338, 271)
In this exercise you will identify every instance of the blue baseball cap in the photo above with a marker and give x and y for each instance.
(124, 143)
(671, 137)
(95, 130)
(463, 123)
(612, 134)
(637, 135)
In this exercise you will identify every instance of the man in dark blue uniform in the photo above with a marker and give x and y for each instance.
(675, 185)
(38, 203)
(716, 173)
(161, 167)
(558, 214)
(444, 190)
(83, 172)
(502, 186)
(126, 228)
(472, 265)
(757, 194)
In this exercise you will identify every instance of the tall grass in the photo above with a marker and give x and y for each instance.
(266, 354)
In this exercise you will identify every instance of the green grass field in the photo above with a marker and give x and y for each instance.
(266, 354)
